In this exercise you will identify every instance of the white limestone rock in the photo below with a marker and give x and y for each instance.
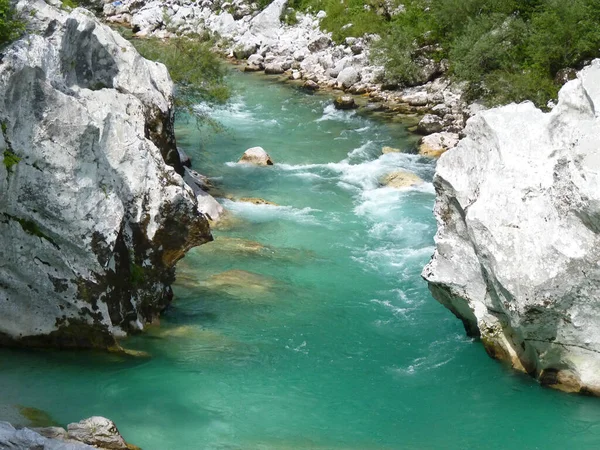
(92, 218)
(97, 431)
(348, 77)
(256, 156)
(435, 144)
(518, 242)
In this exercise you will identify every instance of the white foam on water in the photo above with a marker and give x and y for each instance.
(331, 113)
(361, 151)
(269, 213)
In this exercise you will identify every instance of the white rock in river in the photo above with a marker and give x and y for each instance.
(518, 241)
(256, 156)
(92, 219)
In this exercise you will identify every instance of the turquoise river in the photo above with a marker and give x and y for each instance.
(332, 340)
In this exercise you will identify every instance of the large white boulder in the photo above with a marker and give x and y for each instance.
(518, 242)
(256, 156)
(92, 218)
(347, 77)
(267, 23)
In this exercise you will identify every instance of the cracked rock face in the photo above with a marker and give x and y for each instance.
(518, 241)
(93, 210)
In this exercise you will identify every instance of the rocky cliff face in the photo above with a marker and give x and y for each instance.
(93, 211)
(518, 242)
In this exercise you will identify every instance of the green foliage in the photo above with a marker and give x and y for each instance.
(288, 16)
(507, 50)
(198, 73)
(396, 51)
(10, 160)
(348, 17)
(69, 3)
(30, 227)
(11, 26)
(137, 274)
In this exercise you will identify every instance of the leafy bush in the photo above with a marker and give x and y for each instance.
(11, 26)
(507, 50)
(197, 72)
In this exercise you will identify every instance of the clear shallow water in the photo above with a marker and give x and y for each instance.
(333, 342)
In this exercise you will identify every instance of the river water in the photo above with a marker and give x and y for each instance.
(331, 340)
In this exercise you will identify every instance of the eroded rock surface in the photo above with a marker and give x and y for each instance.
(93, 433)
(93, 210)
(518, 241)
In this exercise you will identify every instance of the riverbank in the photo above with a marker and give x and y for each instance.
(304, 53)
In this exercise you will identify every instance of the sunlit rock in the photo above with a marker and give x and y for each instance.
(256, 156)
(518, 241)
(401, 179)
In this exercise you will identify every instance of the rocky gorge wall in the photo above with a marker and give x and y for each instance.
(94, 212)
(517, 254)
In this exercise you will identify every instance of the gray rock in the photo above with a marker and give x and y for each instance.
(310, 85)
(348, 77)
(92, 194)
(345, 102)
(98, 432)
(518, 241)
(321, 43)
(26, 439)
(429, 124)
(274, 68)
(244, 50)
(356, 49)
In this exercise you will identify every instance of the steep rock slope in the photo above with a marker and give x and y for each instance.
(518, 242)
(92, 218)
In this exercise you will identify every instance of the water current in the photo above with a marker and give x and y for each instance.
(305, 324)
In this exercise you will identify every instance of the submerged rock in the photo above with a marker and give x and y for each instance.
(385, 150)
(226, 245)
(401, 179)
(345, 102)
(94, 212)
(256, 201)
(241, 284)
(256, 156)
(518, 241)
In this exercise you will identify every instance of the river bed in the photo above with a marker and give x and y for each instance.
(332, 340)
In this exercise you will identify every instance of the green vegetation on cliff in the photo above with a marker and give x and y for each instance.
(506, 50)
(10, 24)
(197, 71)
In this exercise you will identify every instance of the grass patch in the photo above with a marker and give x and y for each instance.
(10, 160)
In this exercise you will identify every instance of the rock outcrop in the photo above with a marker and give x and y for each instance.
(94, 212)
(518, 241)
(93, 433)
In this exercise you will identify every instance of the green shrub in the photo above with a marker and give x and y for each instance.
(507, 50)
(11, 26)
(10, 160)
(198, 73)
